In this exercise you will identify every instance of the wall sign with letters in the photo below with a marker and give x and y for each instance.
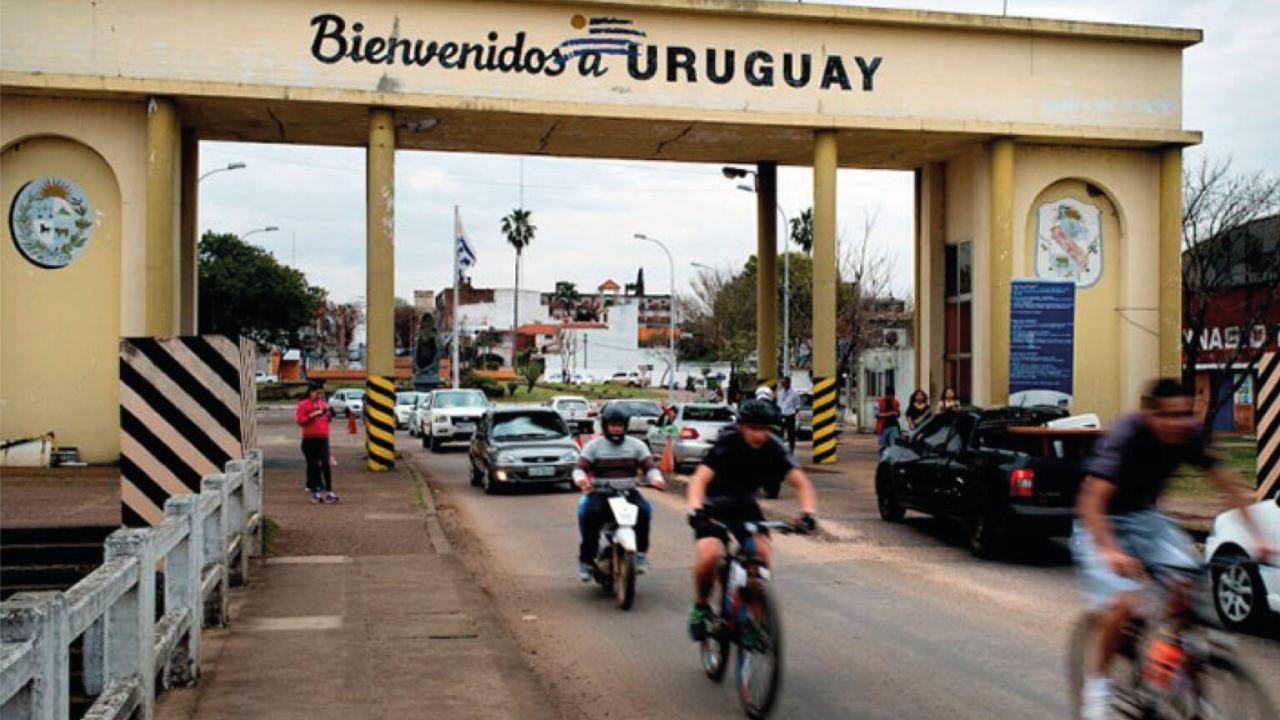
(51, 221)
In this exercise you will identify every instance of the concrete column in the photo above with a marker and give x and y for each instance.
(825, 160)
(380, 178)
(767, 273)
(380, 242)
(1170, 346)
(188, 272)
(930, 286)
(1000, 274)
(161, 313)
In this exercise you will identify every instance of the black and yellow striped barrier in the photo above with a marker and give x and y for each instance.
(1268, 425)
(824, 421)
(380, 422)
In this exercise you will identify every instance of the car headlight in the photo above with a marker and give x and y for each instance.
(569, 457)
(506, 457)
(439, 418)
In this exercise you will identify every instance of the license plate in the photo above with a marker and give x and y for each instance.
(466, 427)
(541, 471)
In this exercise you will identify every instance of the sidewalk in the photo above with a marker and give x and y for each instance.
(356, 614)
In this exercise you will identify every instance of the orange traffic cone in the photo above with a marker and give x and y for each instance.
(351, 422)
(668, 464)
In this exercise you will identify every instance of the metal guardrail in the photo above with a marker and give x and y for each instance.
(201, 549)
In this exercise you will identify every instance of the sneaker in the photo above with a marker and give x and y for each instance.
(331, 497)
(642, 563)
(1096, 700)
(585, 573)
(698, 617)
(316, 498)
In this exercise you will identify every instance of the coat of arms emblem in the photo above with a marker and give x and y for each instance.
(51, 221)
(1069, 242)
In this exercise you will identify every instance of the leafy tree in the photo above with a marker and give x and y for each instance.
(519, 232)
(566, 296)
(406, 324)
(532, 372)
(244, 291)
(802, 230)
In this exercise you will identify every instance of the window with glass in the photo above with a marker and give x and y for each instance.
(958, 320)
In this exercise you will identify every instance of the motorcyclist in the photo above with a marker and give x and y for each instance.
(745, 457)
(613, 462)
(1120, 531)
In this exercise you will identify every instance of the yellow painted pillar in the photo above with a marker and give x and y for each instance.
(1000, 271)
(825, 159)
(380, 176)
(1170, 347)
(188, 272)
(161, 312)
(767, 273)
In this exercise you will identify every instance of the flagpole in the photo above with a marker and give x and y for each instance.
(455, 368)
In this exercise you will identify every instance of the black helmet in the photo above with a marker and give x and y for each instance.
(758, 412)
(614, 415)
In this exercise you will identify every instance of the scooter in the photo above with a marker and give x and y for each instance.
(615, 566)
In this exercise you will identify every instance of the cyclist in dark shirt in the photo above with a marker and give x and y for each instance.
(744, 458)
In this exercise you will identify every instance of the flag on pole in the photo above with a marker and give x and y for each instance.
(464, 256)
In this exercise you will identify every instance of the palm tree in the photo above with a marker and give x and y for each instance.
(802, 230)
(566, 296)
(519, 234)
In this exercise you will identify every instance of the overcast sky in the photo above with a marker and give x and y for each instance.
(586, 211)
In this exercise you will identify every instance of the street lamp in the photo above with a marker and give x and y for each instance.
(230, 166)
(671, 330)
(734, 173)
(269, 228)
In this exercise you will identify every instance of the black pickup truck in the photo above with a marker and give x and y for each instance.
(999, 471)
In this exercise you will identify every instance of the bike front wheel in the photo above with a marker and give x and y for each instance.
(624, 578)
(759, 650)
(1083, 647)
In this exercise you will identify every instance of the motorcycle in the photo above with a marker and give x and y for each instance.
(615, 564)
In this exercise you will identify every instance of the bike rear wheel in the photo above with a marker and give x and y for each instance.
(759, 650)
(714, 648)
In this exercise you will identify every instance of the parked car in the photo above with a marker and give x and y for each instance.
(452, 417)
(630, 379)
(405, 404)
(575, 411)
(420, 415)
(693, 429)
(804, 417)
(348, 399)
(641, 414)
(1244, 591)
(998, 471)
(521, 446)
(581, 378)
(265, 379)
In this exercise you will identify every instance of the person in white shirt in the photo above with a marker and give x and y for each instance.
(788, 406)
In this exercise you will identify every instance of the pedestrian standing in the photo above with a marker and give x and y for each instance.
(887, 412)
(312, 416)
(918, 410)
(949, 401)
(789, 405)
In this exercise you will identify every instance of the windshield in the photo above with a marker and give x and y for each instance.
(406, 398)
(528, 426)
(694, 413)
(638, 407)
(572, 404)
(459, 400)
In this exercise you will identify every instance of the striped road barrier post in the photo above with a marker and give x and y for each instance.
(380, 423)
(824, 421)
(1268, 425)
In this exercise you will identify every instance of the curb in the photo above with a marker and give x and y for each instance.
(431, 517)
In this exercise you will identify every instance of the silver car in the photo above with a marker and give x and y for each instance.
(640, 414)
(693, 428)
(347, 399)
(516, 445)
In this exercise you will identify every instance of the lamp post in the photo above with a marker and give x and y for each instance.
(671, 330)
(733, 173)
(269, 228)
(230, 166)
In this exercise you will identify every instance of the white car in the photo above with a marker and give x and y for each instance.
(1244, 589)
(421, 411)
(582, 378)
(630, 379)
(452, 416)
(576, 413)
(405, 404)
(348, 399)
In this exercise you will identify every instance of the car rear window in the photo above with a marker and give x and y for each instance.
(1061, 446)
(639, 407)
(573, 404)
(530, 426)
(708, 414)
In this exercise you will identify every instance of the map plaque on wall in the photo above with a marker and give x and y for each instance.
(51, 221)
(1069, 242)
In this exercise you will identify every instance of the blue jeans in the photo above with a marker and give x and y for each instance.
(888, 436)
(594, 512)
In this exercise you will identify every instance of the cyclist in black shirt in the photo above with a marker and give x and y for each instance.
(744, 458)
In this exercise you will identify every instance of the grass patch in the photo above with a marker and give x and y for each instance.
(599, 391)
(270, 531)
(1189, 481)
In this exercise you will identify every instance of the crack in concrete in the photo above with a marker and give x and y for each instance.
(546, 137)
(680, 135)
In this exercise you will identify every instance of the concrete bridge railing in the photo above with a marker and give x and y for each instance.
(129, 640)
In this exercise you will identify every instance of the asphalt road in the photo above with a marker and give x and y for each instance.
(881, 621)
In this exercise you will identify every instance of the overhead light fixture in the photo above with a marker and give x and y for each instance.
(733, 172)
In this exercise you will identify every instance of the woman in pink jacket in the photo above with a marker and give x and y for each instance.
(312, 415)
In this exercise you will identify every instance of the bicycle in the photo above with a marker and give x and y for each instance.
(1172, 664)
(745, 613)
